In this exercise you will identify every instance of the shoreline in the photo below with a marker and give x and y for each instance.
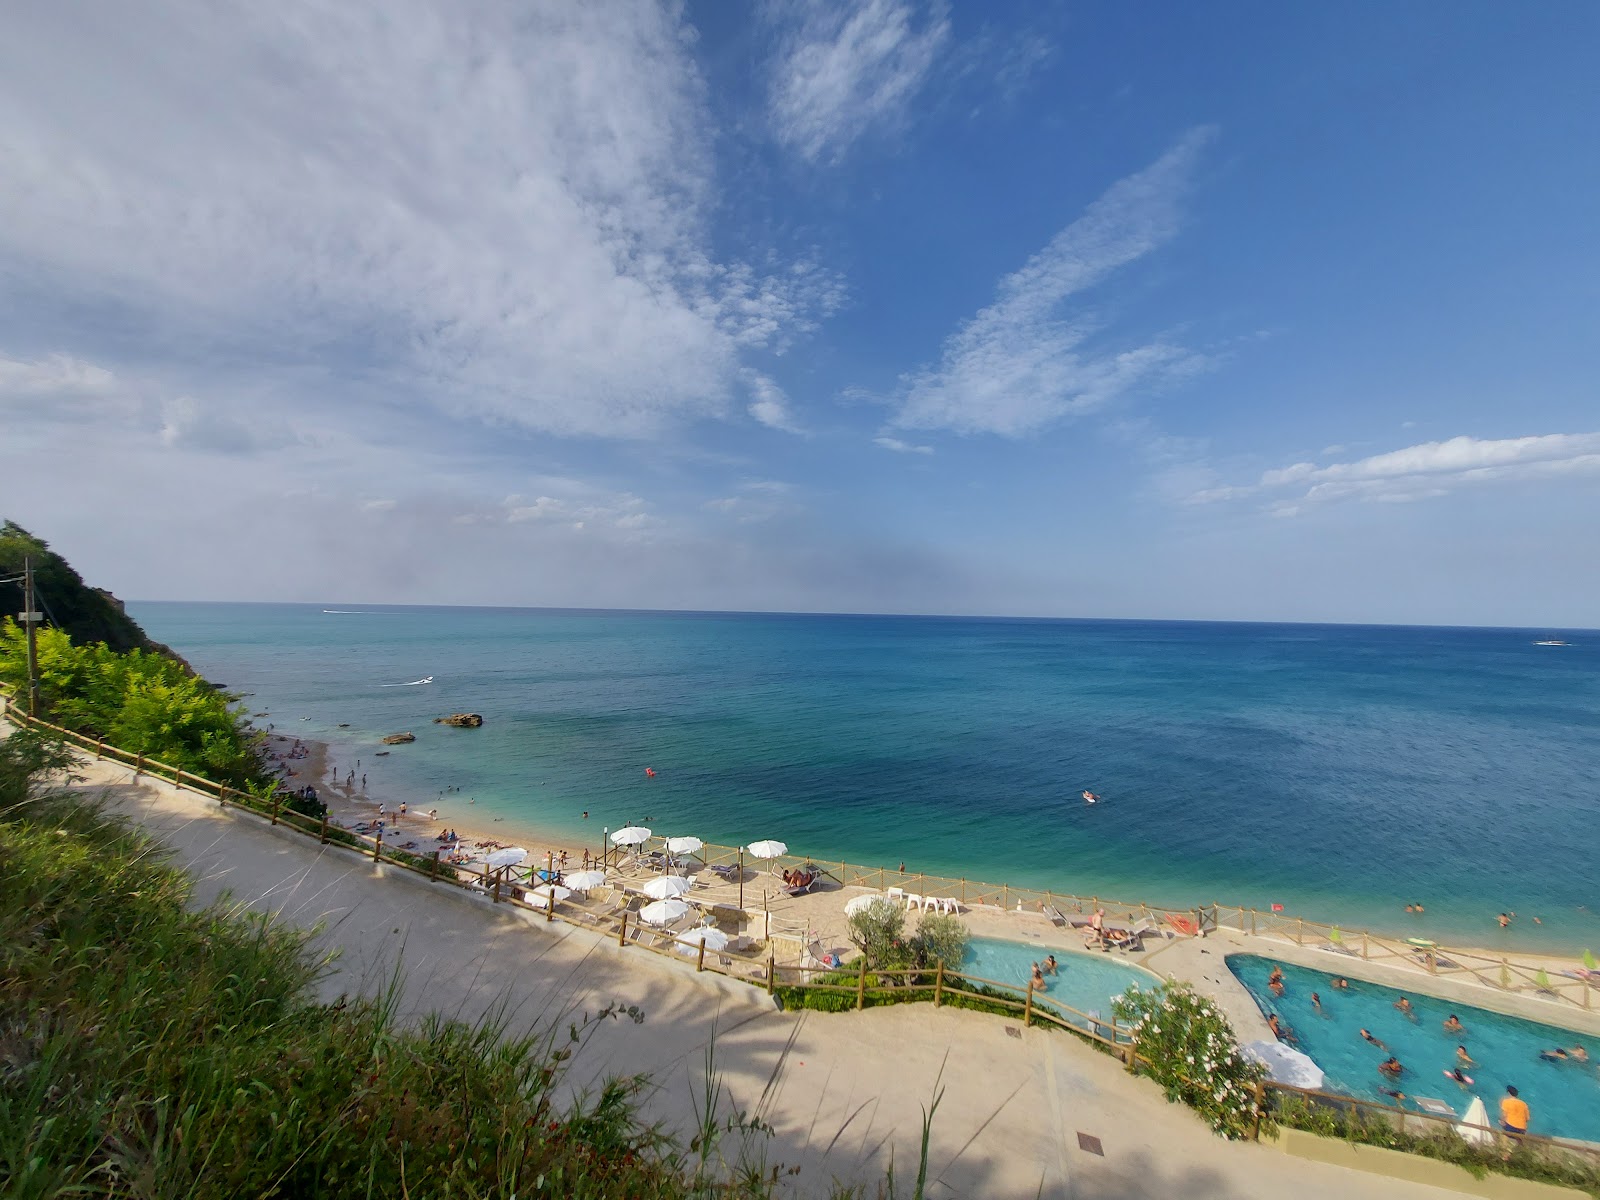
(349, 805)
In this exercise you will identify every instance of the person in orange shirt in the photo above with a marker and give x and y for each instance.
(1514, 1113)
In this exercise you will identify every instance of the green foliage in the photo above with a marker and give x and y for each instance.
(1526, 1160)
(152, 1049)
(940, 937)
(1193, 1054)
(141, 702)
(87, 614)
(878, 931)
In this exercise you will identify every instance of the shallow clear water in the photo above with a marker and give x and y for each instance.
(1086, 982)
(1564, 1097)
(1341, 771)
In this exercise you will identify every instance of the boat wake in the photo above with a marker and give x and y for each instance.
(413, 683)
(348, 612)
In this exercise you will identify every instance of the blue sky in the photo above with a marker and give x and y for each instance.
(1264, 312)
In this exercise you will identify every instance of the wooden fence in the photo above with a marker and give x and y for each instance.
(1421, 955)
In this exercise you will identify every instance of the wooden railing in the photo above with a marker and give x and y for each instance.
(1420, 955)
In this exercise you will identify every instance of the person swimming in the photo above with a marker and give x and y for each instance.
(1391, 1067)
(1316, 1001)
(1465, 1081)
(1366, 1035)
(1558, 1055)
(1452, 1024)
(1341, 983)
(1037, 982)
(1404, 1006)
(1579, 1054)
(1050, 965)
(1279, 1030)
(1276, 988)
(1465, 1059)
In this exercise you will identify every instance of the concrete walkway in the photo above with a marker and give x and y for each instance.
(844, 1093)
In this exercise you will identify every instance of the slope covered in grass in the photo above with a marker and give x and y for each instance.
(151, 1049)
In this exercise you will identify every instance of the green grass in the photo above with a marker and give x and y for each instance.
(1526, 1160)
(151, 1049)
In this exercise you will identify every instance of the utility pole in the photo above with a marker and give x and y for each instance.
(31, 619)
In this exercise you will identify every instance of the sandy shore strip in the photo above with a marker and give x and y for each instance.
(343, 787)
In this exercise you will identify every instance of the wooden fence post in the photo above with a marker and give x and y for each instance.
(138, 766)
(550, 909)
(1252, 922)
(433, 866)
(377, 846)
(277, 804)
(1027, 1007)
(1261, 1100)
(100, 749)
(322, 836)
(700, 963)
(938, 984)
(622, 933)
(497, 878)
(1363, 943)
(861, 985)
(772, 970)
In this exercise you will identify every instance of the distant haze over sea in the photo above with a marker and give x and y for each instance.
(1342, 771)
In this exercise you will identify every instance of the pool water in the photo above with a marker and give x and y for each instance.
(1086, 982)
(1564, 1097)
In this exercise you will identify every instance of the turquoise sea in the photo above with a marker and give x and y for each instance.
(1342, 771)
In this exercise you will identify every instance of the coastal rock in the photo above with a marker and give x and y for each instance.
(460, 720)
(397, 739)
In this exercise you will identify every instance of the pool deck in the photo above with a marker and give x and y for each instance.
(843, 1092)
(1202, 961)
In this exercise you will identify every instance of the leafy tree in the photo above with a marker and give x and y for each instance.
(940, 937)
(878, 931)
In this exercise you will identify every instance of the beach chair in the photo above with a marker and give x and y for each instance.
(895, 895)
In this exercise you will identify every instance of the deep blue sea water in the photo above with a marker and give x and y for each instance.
(1342, 771)
(1564, 1097)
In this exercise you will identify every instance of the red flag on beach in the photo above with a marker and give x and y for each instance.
(1277, 908)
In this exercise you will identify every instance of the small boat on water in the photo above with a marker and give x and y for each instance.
(1552, 642)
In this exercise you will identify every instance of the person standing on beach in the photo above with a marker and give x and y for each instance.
(402, 808)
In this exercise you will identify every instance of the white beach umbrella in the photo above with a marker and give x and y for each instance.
(688, 942)
(663, 912)
(509, 857)
(666, 887)
(633, 835)
(859, 904)
(1284, 1064)
(582, 881)
(683, 845)
(767, 849)
(542, 892)
(1474, 1127)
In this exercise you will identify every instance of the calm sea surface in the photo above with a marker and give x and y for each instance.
(1340, 771)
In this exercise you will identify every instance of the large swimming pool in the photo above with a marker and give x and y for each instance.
(1564, 1096)
(1086, 982)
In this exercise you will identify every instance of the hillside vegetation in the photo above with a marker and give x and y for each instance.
(151, 1049)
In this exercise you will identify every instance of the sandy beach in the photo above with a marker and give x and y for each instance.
(352, 800)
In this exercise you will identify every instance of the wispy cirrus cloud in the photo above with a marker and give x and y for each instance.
(1025, 361)
(901, 447)
(843, 71)
(500, 210)
(1421, 472)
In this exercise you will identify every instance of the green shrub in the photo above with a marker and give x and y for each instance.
(939, 938)
(878, 931)
(1193, 1053)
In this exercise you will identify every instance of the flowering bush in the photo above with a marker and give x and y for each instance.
(1192, 1053)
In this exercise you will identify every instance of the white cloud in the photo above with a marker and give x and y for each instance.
(768, 403)
(505, 208)
(1021, 363)
(900, 447)
(848, 69)
(1420, 472)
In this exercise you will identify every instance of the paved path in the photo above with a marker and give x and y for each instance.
(843, 1092)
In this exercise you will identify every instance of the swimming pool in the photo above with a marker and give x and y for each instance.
(1086, 982)
(1564, 1097)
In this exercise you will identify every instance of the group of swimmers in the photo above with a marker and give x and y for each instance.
(1040, 970)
